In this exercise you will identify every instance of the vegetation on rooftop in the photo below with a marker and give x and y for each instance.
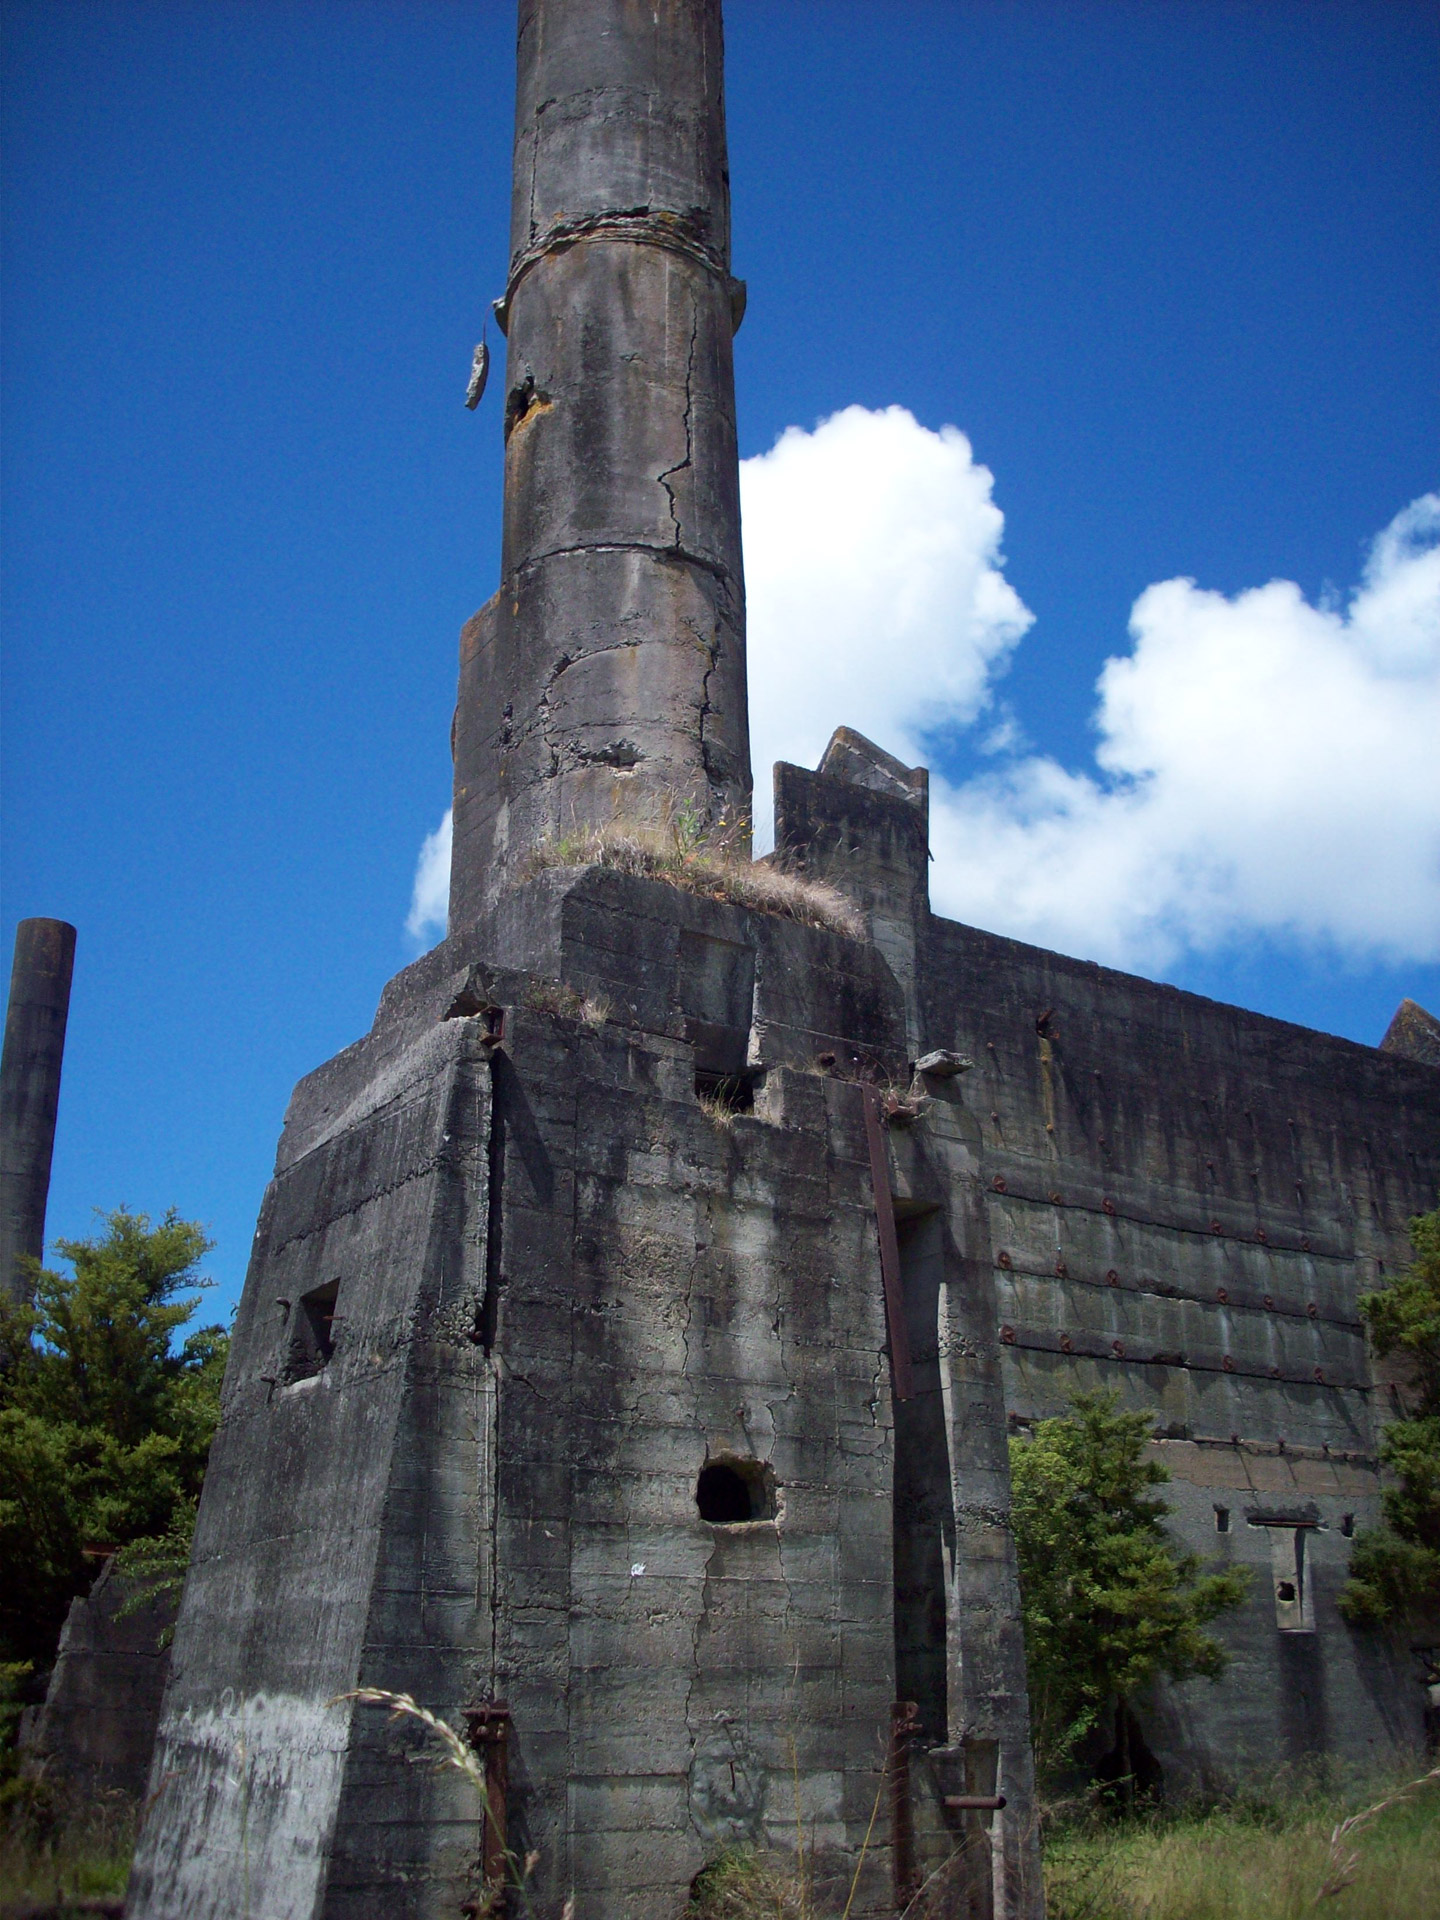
(712, 862)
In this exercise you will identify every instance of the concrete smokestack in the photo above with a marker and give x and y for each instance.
(30, 1090)
(606, 680)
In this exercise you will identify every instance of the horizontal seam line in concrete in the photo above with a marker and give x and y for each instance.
(1356, 1327)
(659, 550)
(1206, 1232)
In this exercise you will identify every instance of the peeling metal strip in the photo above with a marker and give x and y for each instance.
(889, 1247)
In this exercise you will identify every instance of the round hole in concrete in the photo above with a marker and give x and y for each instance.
(730, 1491)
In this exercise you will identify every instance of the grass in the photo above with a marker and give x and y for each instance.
(553, 996)
(1306, 1853)
(742, 1885)
(714, 868)
(61, 1855)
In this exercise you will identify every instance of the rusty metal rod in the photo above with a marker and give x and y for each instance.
(975, 1802)
(904, 1725)
(489, 1727)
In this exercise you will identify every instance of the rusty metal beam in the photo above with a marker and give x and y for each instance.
(489, 1727)
(904, 1725)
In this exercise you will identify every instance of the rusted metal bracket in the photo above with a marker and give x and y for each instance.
(489, 1730)
(889, 1246)
(904, 1725)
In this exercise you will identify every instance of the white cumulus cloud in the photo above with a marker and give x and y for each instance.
(874, 586)
(1265, 767)
(430, 898)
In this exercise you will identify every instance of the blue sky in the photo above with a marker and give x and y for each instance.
(1172, 270)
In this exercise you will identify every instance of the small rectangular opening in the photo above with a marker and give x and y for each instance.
(1222, 1519)
(1347, 1525)
(1290, 1574)
(312, 1339)
(726, 1092)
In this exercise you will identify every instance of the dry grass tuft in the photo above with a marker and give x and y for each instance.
(717, 1111)
(553, 996)
(712, 868)
(744, 1885)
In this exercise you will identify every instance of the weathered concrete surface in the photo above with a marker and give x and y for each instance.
(606, 679)
(338, 1542)
(1184, 1202)
(97, 1724)
(35, 1019)
(1414, 1033)
(564, 1288)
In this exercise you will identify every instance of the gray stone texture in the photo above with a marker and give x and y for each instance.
(35, 1018)
(606, 679)
(1414, 1033)
(564, 1286)
(1184, 1202)
(97, 1725)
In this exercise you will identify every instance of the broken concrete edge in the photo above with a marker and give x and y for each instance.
(1413, 1034)
(622, 977)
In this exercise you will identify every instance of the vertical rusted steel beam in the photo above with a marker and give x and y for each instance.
(904, 1725)
(889, 1246)
(30, 1091)
(490, 1737)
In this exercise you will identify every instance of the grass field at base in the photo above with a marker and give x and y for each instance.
(1270, 1860)
(1261, 1861)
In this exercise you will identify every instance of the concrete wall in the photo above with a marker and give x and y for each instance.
(1185, 1201)
(566, 1287)
(97, 1724)
(339, 1528)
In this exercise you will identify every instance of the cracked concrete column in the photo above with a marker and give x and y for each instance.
(606, 680)
(30, 1090)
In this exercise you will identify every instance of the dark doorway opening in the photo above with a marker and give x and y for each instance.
(729, 1492)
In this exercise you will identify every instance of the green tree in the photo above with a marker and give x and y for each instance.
(1108, 1600)
(1395, 1568)
(105, 1416)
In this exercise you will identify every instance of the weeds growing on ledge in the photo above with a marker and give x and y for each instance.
(715, 866)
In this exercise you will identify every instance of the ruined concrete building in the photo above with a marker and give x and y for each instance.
(633, 1317)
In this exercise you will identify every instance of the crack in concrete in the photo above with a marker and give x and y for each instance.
(682, 465)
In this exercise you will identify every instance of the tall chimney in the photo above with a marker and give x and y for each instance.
(30, 1090)
(605, 682)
